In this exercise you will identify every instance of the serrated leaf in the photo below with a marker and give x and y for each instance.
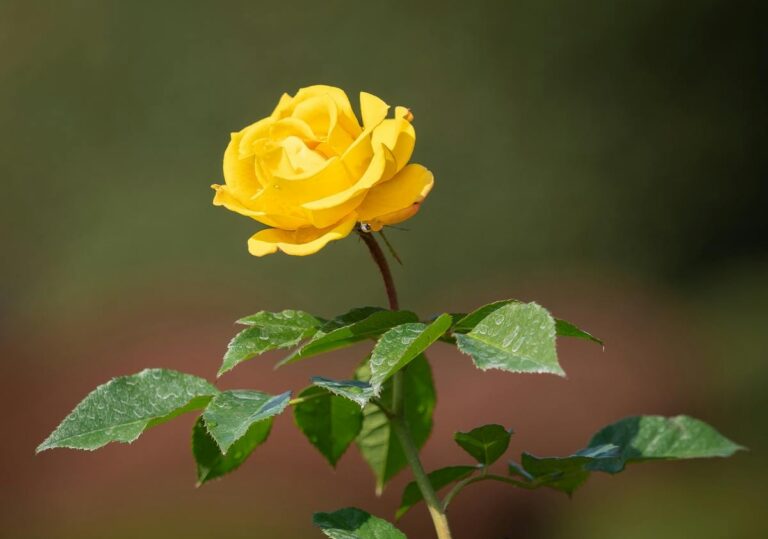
(377, 442)
(634, 439)
(123, 408)
(231, 413)
(268, 331)
(330, 423)
(644, 438)
(346, 330)
(211, 462)
(401, 345)
(517, 337)
(350, 317)
(486, 444)
(566, 329)
(357, 391)
(287, 317)
(467, 322)
(563, 473)
(353, 523)
(439, 478)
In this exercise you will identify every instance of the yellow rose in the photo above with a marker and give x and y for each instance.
(312, 172)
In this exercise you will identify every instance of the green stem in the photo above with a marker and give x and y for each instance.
(484, 477)
(396, 413)
(439, 519)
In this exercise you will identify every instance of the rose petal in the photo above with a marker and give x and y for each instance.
(399, 136)
(224, 197)
(373, 110)
(397, 199)
(302, 242)
(381, 168)
(239, 173)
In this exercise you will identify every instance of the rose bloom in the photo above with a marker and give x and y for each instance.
(311, 172)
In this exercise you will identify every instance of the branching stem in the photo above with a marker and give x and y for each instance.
(476, 479)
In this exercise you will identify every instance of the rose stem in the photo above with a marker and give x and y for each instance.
(397, 419)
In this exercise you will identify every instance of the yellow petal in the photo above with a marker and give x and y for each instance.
(347, 118)
(381, 167)
(324, 217)
(225, 198)
(239, 173)
(292, 127)
(405, 113)
(373, 110)
(251, 134)
(399, 136)
(301, 188)
(397, 199)
(302, 242)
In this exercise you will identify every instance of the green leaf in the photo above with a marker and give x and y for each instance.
(231, 413)
(353, 523)
(634, 439)
(439, 479)
(563, 473)
(348, 329)
(211, 462)
(354, 390)
(377, 441)
(644, 438)
(268, 331)
(486, 444)
(401, 345)
(517, 337)
(331, 423)
(289, 317)
(467, 322)
(123, 408)
(566, 329)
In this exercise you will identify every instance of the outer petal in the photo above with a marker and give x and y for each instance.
(397, 199)
(225, 198)
(373, 110)
(239, 173)
(399, 136)
(302, 242)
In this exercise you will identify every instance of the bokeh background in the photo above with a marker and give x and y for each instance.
(606, 159)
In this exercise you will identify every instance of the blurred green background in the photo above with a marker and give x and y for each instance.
(606, 159)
